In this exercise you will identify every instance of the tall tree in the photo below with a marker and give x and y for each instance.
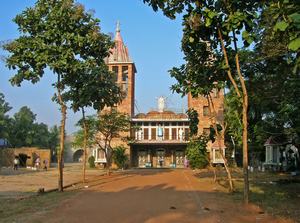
(210, 34)
(61, 36)
(110, 125)
(217, 130)
(94, 88)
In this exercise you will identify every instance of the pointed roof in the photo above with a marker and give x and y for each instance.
(276, 140)
(119, 53)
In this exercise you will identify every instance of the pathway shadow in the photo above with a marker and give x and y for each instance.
(118, 202)
(149, 171)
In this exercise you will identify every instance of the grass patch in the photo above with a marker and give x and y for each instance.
(275, 193)
(25, 209)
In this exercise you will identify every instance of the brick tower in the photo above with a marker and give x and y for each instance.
(124, 70)
(200, 104)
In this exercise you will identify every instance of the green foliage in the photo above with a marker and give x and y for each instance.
(93, 87)
(197, 152)
(214, 132)
(273, 100)
(120, 157)
(193, 117)
(270, 67)
(280, 23)
(59, 35)
(109, 125)
(274, 104)
(91, 161)
(233, 117)
(78, 141)
(53, 140)
(4, 118)
(23, 130)
(205, 67)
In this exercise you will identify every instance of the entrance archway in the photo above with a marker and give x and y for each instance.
(77, 156)
(160, 156)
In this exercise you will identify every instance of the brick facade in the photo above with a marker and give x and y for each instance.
(150, 150)
(200, 104)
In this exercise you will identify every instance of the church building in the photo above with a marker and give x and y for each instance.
(161, 136)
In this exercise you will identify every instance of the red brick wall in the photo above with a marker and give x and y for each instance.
(198, 104)
(204, 121)
(127, 105)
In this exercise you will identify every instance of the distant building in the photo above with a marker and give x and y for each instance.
(3, 143)
(162, 136)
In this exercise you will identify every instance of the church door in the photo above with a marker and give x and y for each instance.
(160, 153)
(179, 156)
(142, 157)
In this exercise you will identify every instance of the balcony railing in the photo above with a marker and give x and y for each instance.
(141, 137)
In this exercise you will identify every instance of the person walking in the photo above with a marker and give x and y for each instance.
(45, 164)
(16, 163)
(37, 163)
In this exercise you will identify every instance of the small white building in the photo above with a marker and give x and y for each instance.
(273, 148)
(281, 154)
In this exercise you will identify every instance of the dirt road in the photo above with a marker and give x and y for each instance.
(154, 196)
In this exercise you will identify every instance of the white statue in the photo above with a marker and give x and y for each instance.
(180, 133)
(161, 102)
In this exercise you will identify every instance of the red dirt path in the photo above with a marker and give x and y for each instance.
(154, 196)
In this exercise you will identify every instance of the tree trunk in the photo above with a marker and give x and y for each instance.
(245, 113)
(231, 187)
(219, 138)
(108, 167)
(85, 129)
(237, 91)
(245, 131)
(245, 148)
(245, 122)
(63, 108)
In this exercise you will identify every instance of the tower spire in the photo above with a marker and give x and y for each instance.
(118, 26)
(119, 53)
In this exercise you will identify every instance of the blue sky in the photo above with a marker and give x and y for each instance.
(153, 42)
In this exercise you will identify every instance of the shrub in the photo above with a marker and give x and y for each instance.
(91, 161)
(197, 153)
(119, 157)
